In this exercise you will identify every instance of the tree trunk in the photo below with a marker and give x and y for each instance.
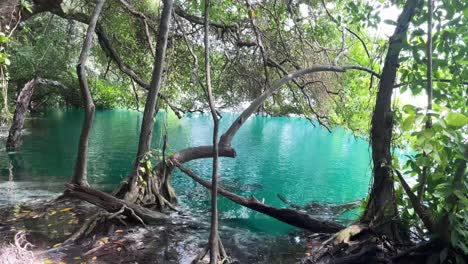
(22, 102)
(213, 241)
(381, 206)
(80, 173)
(133, 192)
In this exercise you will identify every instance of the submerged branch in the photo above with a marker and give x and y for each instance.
(289, 216)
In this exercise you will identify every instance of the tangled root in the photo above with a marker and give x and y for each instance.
(19, 252)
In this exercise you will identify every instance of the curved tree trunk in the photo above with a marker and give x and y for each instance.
(80, 174)
(381, 206)
(22, 102)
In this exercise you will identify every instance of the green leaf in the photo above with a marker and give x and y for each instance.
(456, 119)
(407, 124)
(26, 5)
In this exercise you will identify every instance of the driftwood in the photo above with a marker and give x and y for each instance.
(114, 205)
(289, 216)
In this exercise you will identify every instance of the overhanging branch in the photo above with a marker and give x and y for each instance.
(227, 137)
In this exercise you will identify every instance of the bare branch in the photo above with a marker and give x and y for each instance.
(144, 20)
(347, 29)
(200, 21)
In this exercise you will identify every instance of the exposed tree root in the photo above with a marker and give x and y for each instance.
(353, 245)
(289, 216)
(117, 209)
(99, 218)
(362, 244)
(423, 246)
(20, 252)
(88, 226)
(113, 205)
(223, 257)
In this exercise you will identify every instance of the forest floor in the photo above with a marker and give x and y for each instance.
(34, 233)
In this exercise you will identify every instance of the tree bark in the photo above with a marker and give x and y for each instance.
(419, 208)
(381, 205)
(112, 204)
(22, 102)
(80, 173)
(151, 101)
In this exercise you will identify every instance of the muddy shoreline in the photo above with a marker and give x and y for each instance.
(47, 224)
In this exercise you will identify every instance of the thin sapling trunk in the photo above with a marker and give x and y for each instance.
(80, 174)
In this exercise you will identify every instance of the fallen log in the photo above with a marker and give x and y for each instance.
(289, 216)
(113, 204)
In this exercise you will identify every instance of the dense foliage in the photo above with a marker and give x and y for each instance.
(254, 45)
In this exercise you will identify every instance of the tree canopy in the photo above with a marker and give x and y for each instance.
(327, 61)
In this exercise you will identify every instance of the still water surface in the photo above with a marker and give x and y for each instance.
(276, 155)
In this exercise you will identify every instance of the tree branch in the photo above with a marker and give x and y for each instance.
(419, 208)
(289, 216)
(144, 19)
(227, 137)
(200, 21)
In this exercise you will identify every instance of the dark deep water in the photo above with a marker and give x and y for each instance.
(276, 155)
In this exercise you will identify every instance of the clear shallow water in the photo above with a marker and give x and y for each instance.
(275, 155)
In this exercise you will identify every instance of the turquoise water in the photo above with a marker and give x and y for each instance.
(276, 155)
